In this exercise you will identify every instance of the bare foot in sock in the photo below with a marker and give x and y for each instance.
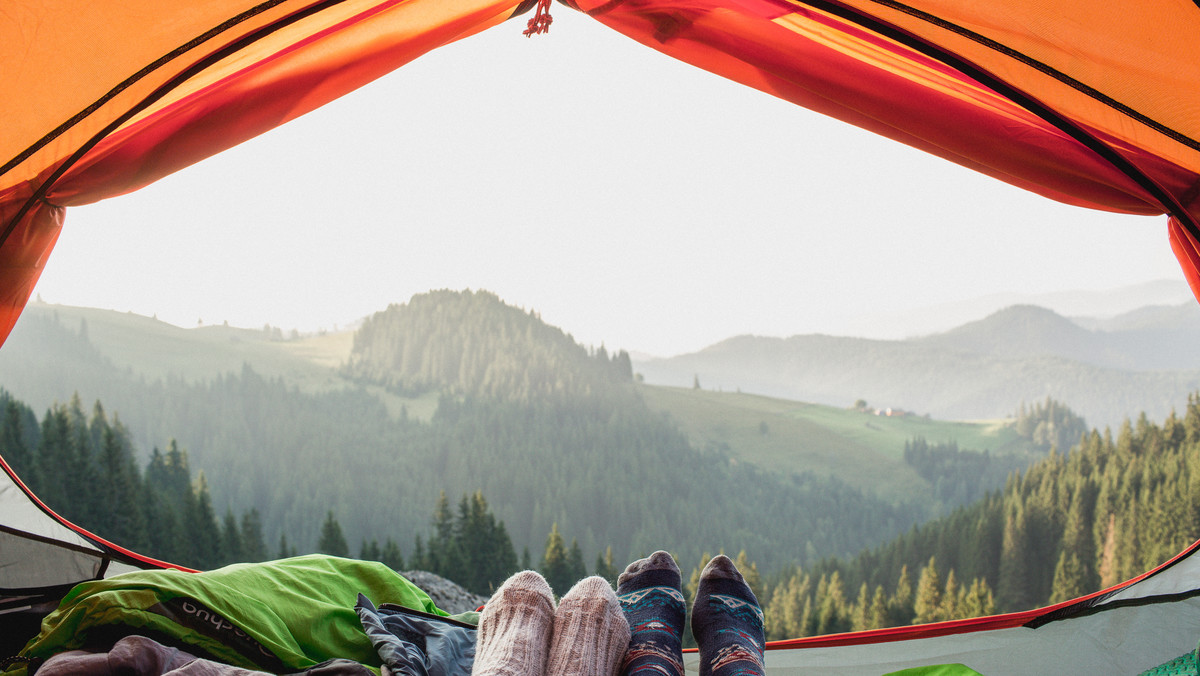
(590, 631)
(515, 628)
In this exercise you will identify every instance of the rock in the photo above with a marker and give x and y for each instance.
(445, 594)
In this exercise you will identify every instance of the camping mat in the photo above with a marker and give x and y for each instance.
(1184, 665)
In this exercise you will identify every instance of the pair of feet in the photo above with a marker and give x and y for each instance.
(522, 633)
(636, 632)
(727, 622)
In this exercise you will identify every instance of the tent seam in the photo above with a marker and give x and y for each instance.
(1044, 68)
(1165, 199)
(131, 80)
(158, 93)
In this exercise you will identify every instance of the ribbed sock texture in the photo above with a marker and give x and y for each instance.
(651, 597)
(590, 632)
(515, 628)
(727, 622)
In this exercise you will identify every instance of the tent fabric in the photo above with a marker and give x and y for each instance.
(101, 98)
(1088, 104)
(43, 555)
(1127, 629)
(1081, 103)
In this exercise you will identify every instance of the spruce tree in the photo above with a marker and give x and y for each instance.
(576, 569)
(12, 440)
(391, 556)
(201, 527)
(877, 616)
(900, 606)
(332, 541)
(928, 602)
(254, 549)
(369, 551)
(555, 566)
(604, 563)
(284, 550)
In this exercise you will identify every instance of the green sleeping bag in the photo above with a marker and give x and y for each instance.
(279, 616)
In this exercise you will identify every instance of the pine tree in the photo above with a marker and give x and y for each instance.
(928, 601)
(604, 563)
(576, 570)
(120, 487)
(862, 607)
(950, 598)
(442, 553)
(555, 566)
(832, 617)
(877, 616)
(1014, 591)
(369, 551)
(12, 439)
(254, 548)
(232, 548)
(900, 607)
(485, 552)
(284, 550)
(749, 571)
(332, 541)
(391, 556)
(201, 526)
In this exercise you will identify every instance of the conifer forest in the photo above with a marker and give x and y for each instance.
(541, 454)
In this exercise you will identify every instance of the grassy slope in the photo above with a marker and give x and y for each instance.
(861, 449)
(156, 349)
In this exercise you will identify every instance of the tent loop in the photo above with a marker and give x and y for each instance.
(540, 23)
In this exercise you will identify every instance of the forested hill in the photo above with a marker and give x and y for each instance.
(603, 467)
(1074, 523)
(471, 343)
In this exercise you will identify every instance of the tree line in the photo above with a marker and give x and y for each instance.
(83, 468)
(1111, 508)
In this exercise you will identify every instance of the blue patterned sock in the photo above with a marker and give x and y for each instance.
(651, 596)
(727, 622)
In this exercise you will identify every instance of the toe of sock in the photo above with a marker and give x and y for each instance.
(720, 567)
(659, 560)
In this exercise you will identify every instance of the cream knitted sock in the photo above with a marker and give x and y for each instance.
(590, 631)
(515, 628)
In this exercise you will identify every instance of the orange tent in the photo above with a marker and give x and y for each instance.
(1091, 105)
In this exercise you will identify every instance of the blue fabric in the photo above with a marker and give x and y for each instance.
(412, 643)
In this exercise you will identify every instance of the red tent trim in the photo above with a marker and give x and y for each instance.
(1031, 619)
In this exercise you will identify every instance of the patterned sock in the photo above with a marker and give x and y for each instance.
(590, 632)
(652, 599)
(727, 622)
(515, 627)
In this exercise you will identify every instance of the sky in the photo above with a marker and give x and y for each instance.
(632, 200)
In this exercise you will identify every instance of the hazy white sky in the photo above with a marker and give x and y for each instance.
(631, 199)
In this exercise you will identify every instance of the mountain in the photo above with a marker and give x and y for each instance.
(1143, 361)
(1104, 304)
